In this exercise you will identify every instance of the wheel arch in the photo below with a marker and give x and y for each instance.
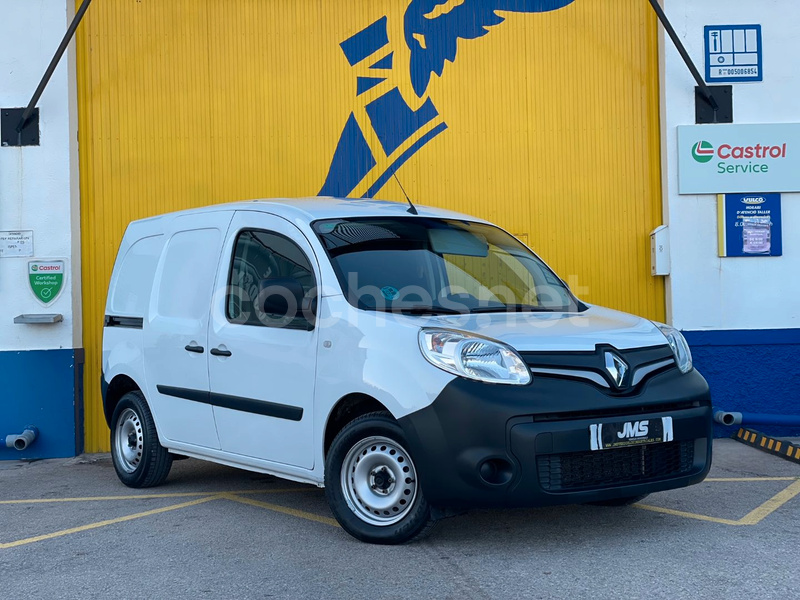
(345, 410)
(117, 388)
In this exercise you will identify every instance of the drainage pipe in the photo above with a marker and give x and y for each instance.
(23, 440)
(738, 418)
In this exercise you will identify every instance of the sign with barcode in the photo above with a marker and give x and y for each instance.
(733, 53)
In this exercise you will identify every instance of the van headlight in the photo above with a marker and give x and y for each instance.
(680, 349)
(473, 357)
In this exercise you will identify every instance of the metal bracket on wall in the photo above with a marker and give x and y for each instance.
(25, 117)
(10, 136)
(44, 319)
(704, 93)
(705, 113)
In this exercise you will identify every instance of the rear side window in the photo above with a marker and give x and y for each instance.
(188, 274)
(134, 279)
(260, 256)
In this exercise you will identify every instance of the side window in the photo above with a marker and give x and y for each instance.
(259, 258)
(135, 276)
(188, 274)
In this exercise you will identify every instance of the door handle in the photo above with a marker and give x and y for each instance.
(218, 352)
(197, 349)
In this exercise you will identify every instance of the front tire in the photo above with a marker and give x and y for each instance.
(139, 459)
(372, 485)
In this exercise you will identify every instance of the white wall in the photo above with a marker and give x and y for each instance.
(39, 184)
(704, 290)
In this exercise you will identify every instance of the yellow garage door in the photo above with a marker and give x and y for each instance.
(540, 115)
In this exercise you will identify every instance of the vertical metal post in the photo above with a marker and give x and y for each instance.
(53, 64)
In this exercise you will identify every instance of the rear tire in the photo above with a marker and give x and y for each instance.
(139, 459)
(627, 501)
(371, 483)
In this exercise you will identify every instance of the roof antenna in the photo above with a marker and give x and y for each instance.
(411, 208)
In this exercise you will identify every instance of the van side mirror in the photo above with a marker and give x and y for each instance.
(281, 296)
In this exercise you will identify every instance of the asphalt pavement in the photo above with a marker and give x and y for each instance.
(70, 529)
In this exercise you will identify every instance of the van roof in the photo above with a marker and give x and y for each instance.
(313, 208)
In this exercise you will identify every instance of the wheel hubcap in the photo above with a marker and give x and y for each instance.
(379, 481)
(129, 441)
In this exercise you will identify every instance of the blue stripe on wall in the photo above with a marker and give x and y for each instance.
(42, 388)
(754, 371)
(743, 337)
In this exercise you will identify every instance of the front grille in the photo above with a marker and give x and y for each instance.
(589, 366)
(577, 471)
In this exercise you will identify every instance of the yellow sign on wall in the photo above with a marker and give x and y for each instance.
(539, 115)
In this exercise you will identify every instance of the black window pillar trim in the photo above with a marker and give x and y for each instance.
(118, 321)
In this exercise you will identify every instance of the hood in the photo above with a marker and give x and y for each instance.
(555, 332)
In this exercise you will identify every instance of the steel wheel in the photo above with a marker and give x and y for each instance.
(129, 440)
(139, 459)
(379, 481)
(372, 484)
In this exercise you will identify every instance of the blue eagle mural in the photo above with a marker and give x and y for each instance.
(432, 30)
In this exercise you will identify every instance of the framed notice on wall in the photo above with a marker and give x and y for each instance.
(750, 225)
(16, 243)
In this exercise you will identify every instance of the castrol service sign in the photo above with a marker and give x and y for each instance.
(715, 159)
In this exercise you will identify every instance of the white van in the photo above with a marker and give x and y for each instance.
(411, 361)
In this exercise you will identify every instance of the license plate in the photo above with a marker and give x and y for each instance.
(603, 436)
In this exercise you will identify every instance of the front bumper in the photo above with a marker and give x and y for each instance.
(482, 445)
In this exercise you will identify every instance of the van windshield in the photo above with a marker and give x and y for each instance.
(439, 266)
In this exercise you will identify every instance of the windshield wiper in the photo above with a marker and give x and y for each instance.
(423, 309)
(510, 308)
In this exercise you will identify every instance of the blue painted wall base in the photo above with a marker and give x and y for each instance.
(43, 388)
(750, 371)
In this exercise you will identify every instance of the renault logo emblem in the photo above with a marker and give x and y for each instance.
(617, 368)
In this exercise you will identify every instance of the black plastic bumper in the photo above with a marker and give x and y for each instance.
(482, 445)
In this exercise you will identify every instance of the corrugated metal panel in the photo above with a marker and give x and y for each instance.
(552, 128)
